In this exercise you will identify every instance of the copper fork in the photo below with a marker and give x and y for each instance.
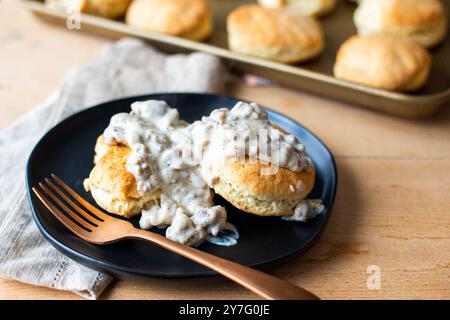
(95, 226)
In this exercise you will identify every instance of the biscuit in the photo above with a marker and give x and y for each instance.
(104, 8)
(188, 19)
(274, 34)
(384, 61)
(424, 21)
(315, 8)
(112, 186)
(243, 185)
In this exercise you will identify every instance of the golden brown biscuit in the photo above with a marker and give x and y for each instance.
(188, 19)
(112, 186)
(424, 21)
(384, 61)
(274, 34)
(246, 188)
(315, 8)
(105, 8)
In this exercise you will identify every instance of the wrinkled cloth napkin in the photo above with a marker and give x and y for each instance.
(125, 68)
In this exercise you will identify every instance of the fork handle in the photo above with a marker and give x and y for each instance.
(263, 284)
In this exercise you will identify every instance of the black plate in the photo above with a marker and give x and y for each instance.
(67, 150)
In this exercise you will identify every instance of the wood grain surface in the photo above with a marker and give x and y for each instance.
(393, 202)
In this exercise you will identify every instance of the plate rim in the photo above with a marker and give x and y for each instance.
(120, 272)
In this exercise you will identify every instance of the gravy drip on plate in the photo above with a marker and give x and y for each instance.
(182, 160)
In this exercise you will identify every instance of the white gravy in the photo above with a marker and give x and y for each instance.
(182, 160)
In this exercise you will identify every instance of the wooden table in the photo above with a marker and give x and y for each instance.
(393, 203)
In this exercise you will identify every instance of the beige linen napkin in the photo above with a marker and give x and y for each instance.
(125, 68)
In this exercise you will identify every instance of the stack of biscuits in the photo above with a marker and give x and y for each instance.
(389, 51)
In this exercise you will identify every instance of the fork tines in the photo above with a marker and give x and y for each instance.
(68, 207)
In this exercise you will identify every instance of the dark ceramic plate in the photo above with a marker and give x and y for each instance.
(67, 150)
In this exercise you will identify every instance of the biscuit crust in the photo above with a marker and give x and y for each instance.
(111, 175)
(384, 61)
(274, 34)
(189, 19)
(112, 186)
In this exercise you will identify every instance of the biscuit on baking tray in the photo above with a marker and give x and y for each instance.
(424, 21)
(112, 186)
(104, 8)
(243, 185)
(274, 34)
(384, 61)
(188, 19)
(316, 8)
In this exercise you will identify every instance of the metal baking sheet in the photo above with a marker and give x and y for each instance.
(314, 76)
